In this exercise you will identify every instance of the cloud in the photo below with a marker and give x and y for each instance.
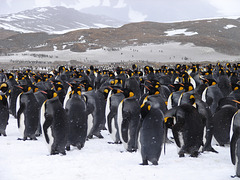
(106, 3)
(83, 4)
(135, 16)
(229, 7)
(120, 4)
(42, 3)
(9, 3)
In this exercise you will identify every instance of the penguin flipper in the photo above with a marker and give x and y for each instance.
(176, 137)
(233, 142)
(124, 130)
(109, 121)
(46, 125)
(19, 112)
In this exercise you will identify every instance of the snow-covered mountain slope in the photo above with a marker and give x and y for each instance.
(54, 20)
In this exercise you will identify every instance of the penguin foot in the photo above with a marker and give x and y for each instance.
(4, 134)
(118, 142)
(68, 148)
(80, 146)
(210, 149)
(145, 162)
(195, 154)
(111, 142)
(155, 163)
(89, 136)
(132, 150)
(33, 138)
(98, 135)
(181, 155)
(63, 153)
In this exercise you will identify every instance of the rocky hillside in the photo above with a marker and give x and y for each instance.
(223, 35)
(54, 20)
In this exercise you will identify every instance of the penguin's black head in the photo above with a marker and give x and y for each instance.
(209, 82)
(9, 75)
(91, 68)
(34, 88)
(37, 79)
(4, 87)
(188, 87)
(25, 88)
(55, 82)
(128, 93)
(176, 87)
(61, 69)
(169, 122)
(235, 86)
(50, 93)
(111, 75)
(116, 90)
(192, 100)
(3, 99)
(145, 108)
(153, 91)
(77, 90)
(58, 87)
(134, 66)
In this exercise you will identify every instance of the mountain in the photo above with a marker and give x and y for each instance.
(223, 35)
(54, 20)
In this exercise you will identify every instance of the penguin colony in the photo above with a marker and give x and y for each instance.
(139, 107)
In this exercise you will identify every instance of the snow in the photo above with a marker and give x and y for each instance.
(164, 53)
(180, 31)
(101, 25)
(42, 10)
(229, 26)
(21, 160)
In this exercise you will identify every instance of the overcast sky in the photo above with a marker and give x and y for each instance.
(136, 10)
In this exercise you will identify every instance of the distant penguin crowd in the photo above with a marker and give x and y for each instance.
(139, 107)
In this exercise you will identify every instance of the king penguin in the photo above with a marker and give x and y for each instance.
(235, 142)
(187, 128)
(128, 120)
(151, 134)
(54, 123)
(28, 114)
(4, 114)
(115, 96)
(77, 116)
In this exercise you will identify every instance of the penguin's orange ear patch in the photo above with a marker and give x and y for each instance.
(0, 97)
(166, 119)
(149, 107)
(79, 93)
(106, 90)
(54, 94)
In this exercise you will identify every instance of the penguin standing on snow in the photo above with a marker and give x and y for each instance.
(114, 98)
(187, 128)
(222, 120)
(28, 114)
(151, 134)
(235, 142)
(54, 123)
(128, 119)
(4, 114)
(77, 116)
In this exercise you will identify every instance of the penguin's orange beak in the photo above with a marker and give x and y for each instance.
(44, 92)
(236, 101)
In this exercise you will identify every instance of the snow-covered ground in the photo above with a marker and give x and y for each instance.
(165, 53)
(25, 160)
